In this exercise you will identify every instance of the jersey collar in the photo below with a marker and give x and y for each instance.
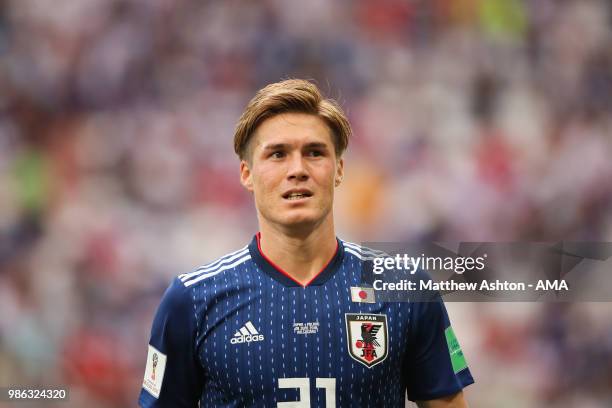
(281, 276)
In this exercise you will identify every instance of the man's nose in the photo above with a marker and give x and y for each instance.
(297, 168)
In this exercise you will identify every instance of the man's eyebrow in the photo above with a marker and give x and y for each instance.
(281, 146)
(276, 146)
(317, 145)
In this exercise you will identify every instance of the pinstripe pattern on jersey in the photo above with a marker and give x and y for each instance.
(247, 301)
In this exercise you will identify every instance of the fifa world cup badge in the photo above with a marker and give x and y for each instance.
(154, 371)
(155, 360)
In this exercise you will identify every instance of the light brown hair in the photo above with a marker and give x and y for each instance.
(291, 96)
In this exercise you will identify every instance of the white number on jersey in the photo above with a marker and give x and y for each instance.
(329, 384)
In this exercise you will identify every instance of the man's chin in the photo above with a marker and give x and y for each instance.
(299, 220)
(295, 219)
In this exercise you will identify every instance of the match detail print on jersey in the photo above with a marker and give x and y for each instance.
(154, 372)
(367, 337)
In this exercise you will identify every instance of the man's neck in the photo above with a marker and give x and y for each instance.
(301, 254)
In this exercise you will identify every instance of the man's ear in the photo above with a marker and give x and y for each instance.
(246, 177)
(339, 172)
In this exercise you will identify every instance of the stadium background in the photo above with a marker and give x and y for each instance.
(473, 119)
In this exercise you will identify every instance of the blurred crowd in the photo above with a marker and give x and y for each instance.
(474, 120)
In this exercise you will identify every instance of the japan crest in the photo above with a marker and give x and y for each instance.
(367, 337)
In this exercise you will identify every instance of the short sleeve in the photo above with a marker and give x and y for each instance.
(173, 375)
(435, 366)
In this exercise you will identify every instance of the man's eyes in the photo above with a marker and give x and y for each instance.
(279, 154)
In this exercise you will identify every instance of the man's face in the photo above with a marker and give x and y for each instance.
(293, 170)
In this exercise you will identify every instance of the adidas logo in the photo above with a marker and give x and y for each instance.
(247, 334)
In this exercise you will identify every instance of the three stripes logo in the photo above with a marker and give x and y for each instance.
(247, 334)
(222, 264)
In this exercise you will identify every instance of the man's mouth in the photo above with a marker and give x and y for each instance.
(297, 195)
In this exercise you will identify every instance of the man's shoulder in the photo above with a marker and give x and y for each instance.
(219, 266)
(361, 252)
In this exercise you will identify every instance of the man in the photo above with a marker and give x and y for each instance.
(283, 322)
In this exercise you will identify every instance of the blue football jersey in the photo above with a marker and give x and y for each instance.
(241, 332)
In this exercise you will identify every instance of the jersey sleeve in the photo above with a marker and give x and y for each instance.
(435, 366)
(173, 375)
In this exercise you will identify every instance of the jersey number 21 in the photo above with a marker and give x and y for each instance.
(303, 384)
